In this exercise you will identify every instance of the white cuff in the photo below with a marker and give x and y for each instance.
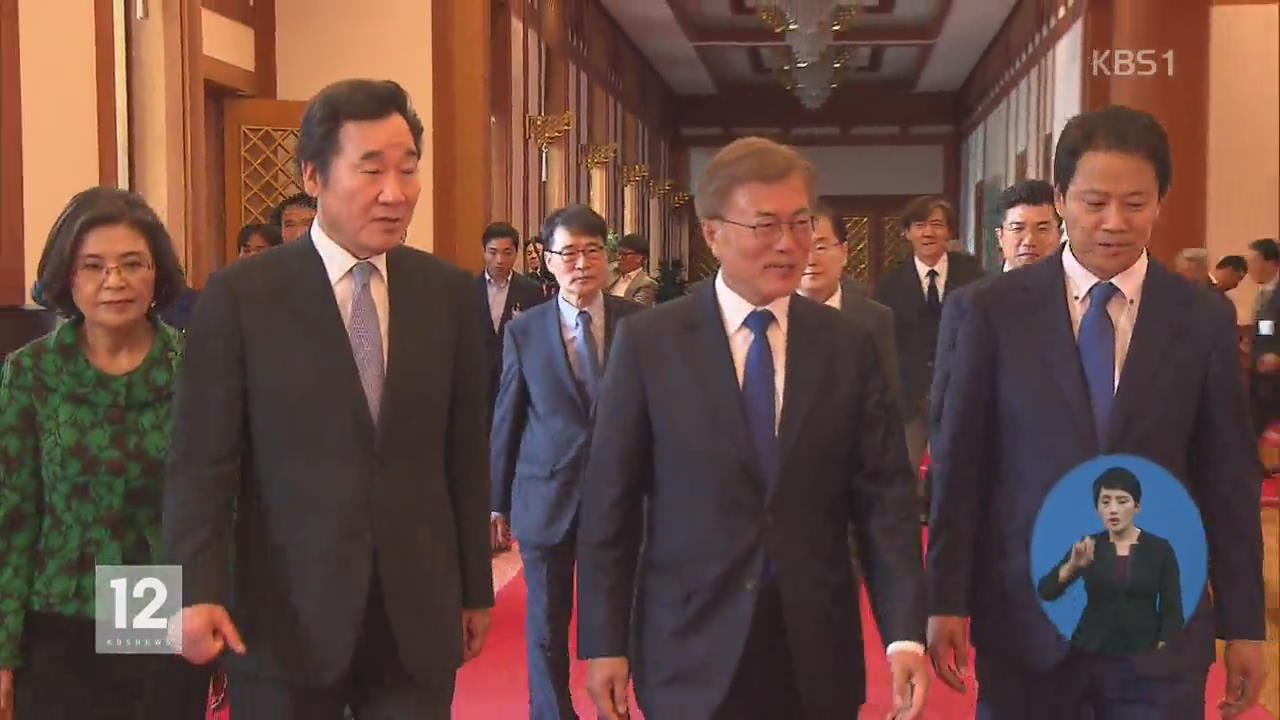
(910, 646)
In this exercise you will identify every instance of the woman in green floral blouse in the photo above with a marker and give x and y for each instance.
(84, 427)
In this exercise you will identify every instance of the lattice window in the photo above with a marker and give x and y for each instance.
(858, 229)
(267, 170)
(896, 246)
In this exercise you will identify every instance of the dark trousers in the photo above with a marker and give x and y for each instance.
(764, 685)
(548, 574)
(1086, 687)
(375, 687)
(63, 677)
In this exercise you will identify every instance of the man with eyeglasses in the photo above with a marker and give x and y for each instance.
(552, 365)
(916, 291)
(631, 280)
(741, 431)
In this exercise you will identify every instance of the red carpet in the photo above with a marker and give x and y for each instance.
(494, 686)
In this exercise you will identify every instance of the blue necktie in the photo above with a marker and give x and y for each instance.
(758, 394)
(365, 334)
(588, 358)
(1097, 343)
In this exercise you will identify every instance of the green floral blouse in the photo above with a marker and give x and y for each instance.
(81, 473)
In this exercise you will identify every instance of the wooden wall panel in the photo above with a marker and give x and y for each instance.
(12, 282)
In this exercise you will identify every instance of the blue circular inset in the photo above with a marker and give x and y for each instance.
(1068, 514)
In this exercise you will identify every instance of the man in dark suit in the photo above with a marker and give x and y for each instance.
(542, 433)
(824, 281)
(1095, 350)
(502, 292)
(740, 432)
(329, 421)
(1029, 231)
(916, 291)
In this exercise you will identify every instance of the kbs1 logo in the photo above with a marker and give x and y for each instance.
(1132, 63)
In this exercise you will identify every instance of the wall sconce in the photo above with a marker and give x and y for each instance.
(679, 199)
(658, 188)
(546, 129)
(598, 155)
(633, 174)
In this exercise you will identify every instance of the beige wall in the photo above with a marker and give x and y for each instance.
(322, 41)
(1244, 133)
(59, 114)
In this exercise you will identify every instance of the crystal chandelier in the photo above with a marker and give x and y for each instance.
(812, 82)
(809, 27)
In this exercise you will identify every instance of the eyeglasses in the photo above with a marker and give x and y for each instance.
(771, 230)
(590, 252)
(98, 270)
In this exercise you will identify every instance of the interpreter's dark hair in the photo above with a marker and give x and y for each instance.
(99, 207)
(1118, 478)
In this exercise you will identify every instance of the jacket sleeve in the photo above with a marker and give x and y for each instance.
(1049, 587)
(19, 501)
(509, 416)
(1171, 615)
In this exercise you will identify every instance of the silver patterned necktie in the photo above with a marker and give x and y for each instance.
(365, 334)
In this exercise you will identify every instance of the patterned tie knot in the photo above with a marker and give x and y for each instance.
(584, 319)
(360, 274)
(1101, 293)
(758, 321)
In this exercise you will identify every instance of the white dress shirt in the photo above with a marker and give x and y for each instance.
(837, 299)
(337, 264)
(498, 292)
(923, 271)
(569, 328)
(734, 310)
(1123, 307)
(619, 288)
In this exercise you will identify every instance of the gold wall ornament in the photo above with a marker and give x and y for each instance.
(595, 156)
(658, 188)
(633, 174)
(546, 129)
(680, 198)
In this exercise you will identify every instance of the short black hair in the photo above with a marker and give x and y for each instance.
(822, 208)
(534, 240)
(636, 243)
(1267, 248)
(349, 101)
(1114, 128)
(266, 231)
(98, 207)
(578, 219)
(919, 209)
(1117, 478)
(1233, 262)
(1025, 192)
(497, 230)
(301, 199)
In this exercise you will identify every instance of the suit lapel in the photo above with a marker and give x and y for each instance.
(807, 356)
(1051, 332)
(482, 287)
(511, 304)
(316, 314)
(1158, 314)
(712, 361)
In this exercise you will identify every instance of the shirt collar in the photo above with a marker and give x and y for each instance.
(569, 311)
(1272, 284)
(734, 308)
(337, 260)
(837, 298)
(490, 279)
(923, 270)
(1081, 281)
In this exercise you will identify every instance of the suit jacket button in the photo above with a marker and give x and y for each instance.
(751, 585)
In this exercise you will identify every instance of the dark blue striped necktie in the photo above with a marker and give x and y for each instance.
(758, 394)
(1097, 344)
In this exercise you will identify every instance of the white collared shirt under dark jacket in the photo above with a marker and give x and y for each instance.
(274, 447)
(671, 464)
(1018, 417)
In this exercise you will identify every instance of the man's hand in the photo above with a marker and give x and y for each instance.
(607, 679)
(949, 649)
(6, 695)
(475, 626)
(1246, 671)
(910, 684)
(206, 631)
(499, 532)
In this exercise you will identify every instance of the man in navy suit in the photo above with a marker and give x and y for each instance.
(551, 372)
(1096, 349)
(741, 431)
(503, 293)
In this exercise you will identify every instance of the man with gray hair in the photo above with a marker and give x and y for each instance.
(1193, 264)
(741, 430)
